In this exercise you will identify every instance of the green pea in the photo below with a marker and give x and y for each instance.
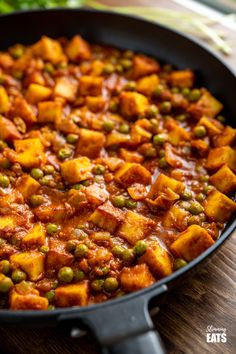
(55, 284)
(165, 107)
(79, 275)
(194, 95)
(5, 284)
(5, 163)
(108, 68)
(44, 249)
(51, 229)
(204, 178)
(62, 65)
(70, 245)
(110, 284)
(159, 139)
(36, 173)
(185, 91)
(152, 111)
(130, 86)
(81, 251)
(64, 153)
(5, 266)
(167, 68)
(119, 68)
(158, 91)
(97, 285)
(195, 208)
(221, 119)
(65, 274)
(50, 295)
(128, 54)
(126, 63)
(128, 255)
(161, 153)
(18, 276)
(108, 126)
(77, 186)
(4, 181)
(18, 75)
(124, 128)
(200, 197)
(46, 180)
(118, 201)
(48, 169)
(71, 138)
(3, 145)
(181, 117)
(17, 52)
(140, 248)
(117, 251)
(131, 204)
(85, 183)
(163, 163)
(184, 205)
(200, 131)
(36, 200)
(175, 90)
(186, 195)
(113, 106)
(51, 307)
(194, 219)
(179, 263)
(150, 152)
(99, 169)
(207, 189)
(48, 67)
(105, 270)
(154, 122)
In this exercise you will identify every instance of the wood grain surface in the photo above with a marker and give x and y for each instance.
(207, 299)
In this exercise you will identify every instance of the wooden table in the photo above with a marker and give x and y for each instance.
(207, 299)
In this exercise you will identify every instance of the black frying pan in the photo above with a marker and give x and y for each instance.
(123, 325)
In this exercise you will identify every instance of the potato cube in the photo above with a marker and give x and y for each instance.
(76, 170)
(176, 133)
(58, 256)
(30, 262)
(36, 93)
(27, 186)
(23, 109)
(135, 227)
(96, 195)
(227, 137)
(224, 180)
(213, 126)
(136, 278)
(66, 88)
(4, 100)
(107, 217)
(181, 78)
(133, 104)
(78, 49)
(131, 173)
(158, 260)
(7, 222)
(207, 106)
(99, 256)
(6, 60)
(36, 236)
(72, 295)
(115, 138)
(191, 243)
(176, 218)
(131, 156)
(218, 207)
(90, 143)
(143, 66)
(218, 157)
(163, 183)
(8, 130)
(25, 297)
(54, 212)
(95, 104)
(147, 84)
(90, 86)
(30, 152)
(49, 49)
(50, 112)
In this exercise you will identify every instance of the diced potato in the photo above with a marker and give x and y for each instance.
(135, 227)
(131, 173)
(76, 170)
(50, 112)
(191, 243)
(136, 278)
(8, 130)
(36, 93)
(163, 183)
(107, 217)
(8, 222)
(58, 256)
(72, 295)
(137, 191)
(200, 145)
(143, 66)
(213, 126)
(25, 297)
(218, 207)
(6, 60)
(76, 198)
(115, 138)
(49, 49)
(181, 78)
(4, 100)
(22, 109)
(113, 163)
(131, 156)
(27, 186)
(227, 137)
(140, 133)
(207, 106)
(90, 143)
(158, 260)
(224, 180)
(54, 212)
(30, 152)
(218, 157)
(148, 84)
(78, 49)
(164, 200)
(95, 104)
(30, 262)
(175, 218)
(36, 236)
(90, 86)
(176, 133)
(99, 257)
(133, 104)
(96, 195)
(66, 87)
